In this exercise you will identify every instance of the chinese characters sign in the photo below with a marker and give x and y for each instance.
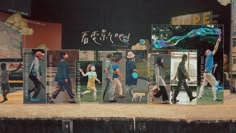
(100, 37)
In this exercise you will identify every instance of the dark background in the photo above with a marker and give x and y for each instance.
(132, 16)
(22, 6)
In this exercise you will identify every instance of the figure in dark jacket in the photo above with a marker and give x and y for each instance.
(63, 79)
(182, 75)
(130, 68)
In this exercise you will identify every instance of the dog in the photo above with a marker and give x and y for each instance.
(137, 96)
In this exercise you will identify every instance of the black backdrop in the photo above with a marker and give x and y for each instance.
(22, 6)
(120, 16)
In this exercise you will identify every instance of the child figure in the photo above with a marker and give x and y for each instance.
(92, 77)
(5, 78)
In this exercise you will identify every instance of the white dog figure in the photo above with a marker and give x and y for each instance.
(136, 96)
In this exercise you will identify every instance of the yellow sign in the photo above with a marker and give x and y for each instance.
(193, 19)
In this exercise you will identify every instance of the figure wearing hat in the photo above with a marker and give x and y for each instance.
(34, 75)
(131, 80)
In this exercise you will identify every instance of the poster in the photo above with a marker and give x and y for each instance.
(208, 41)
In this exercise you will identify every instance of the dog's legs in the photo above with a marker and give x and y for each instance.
(136, 98)
(140, 98)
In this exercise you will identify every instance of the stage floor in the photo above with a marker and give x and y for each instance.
(226, 111)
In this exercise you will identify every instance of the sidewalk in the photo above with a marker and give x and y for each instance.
(226, 111)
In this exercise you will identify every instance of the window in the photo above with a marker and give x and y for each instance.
(234, 42)
(234, 59)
